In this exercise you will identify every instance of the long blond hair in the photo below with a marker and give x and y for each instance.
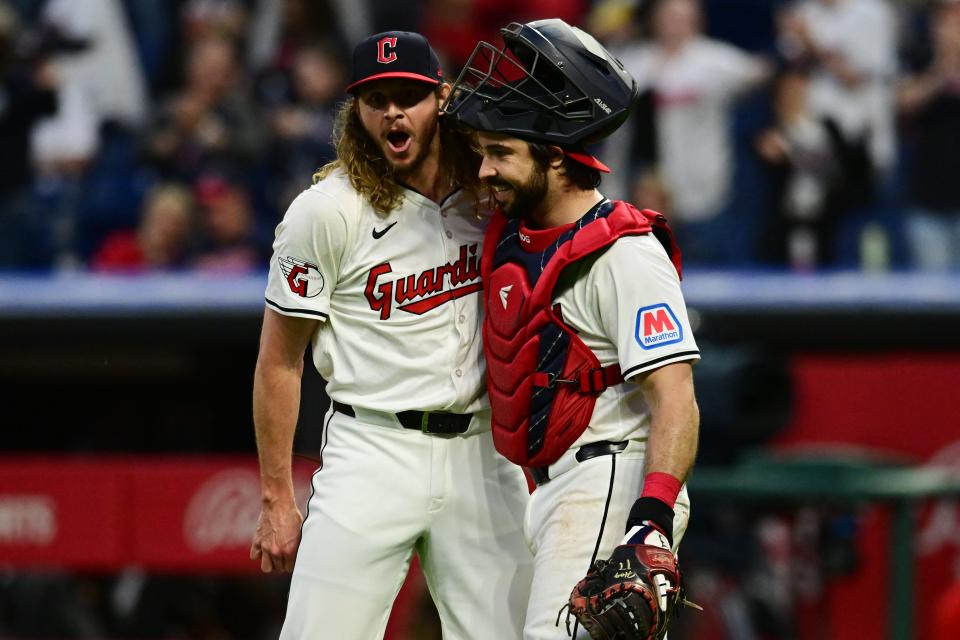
(373, 176)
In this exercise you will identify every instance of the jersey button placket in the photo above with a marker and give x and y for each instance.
(454, 307)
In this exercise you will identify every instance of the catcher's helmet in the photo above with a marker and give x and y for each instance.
(550, 83)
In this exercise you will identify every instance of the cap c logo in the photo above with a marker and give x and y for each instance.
(386, 43)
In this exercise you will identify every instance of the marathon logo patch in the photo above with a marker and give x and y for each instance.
(657, 326)
(303, 278)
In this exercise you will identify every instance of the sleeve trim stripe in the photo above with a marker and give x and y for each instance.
(682, 355)
(273, 304)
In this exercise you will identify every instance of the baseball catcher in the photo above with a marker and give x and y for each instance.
(588, 345)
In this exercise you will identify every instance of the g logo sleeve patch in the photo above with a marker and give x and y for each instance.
(657, 325)
(303, 278)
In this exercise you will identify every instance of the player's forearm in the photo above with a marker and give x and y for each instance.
(674, 420)
(276, 403)
(674, 432)
(671, 448)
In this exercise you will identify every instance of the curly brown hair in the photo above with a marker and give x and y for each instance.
(373, 176)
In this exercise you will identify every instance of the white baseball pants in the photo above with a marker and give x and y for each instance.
(563, 523)
(385, 492)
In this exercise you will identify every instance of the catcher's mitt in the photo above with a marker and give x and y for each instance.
(626, 597)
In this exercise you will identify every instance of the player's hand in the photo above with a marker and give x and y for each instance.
(648, 534)
(277, 537)
(616, 597)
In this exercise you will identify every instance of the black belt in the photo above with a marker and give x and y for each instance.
(603, 448)
(425, 421)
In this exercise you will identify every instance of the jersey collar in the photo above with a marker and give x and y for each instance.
(537, 240)
(420, 198)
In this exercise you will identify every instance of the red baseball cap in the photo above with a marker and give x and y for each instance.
(394, 54)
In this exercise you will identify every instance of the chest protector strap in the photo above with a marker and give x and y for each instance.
(543, 381)
(587, 381)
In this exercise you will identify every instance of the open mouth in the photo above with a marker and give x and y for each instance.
(500, 190)
(398, 141)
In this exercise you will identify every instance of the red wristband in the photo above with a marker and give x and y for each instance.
(662, 486)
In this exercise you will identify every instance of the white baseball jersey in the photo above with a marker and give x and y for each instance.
(627, 307)
(397, 294)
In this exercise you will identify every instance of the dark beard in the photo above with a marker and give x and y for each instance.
(527, 196)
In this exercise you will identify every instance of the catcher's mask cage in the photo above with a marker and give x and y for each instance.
(549, 83)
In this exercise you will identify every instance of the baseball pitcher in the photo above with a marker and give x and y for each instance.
(377, 268)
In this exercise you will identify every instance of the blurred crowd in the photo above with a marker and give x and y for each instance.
(146, 135)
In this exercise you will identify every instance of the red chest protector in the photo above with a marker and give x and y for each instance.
(542, 379)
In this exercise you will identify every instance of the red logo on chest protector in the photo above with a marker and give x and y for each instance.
(422, 292)
(382, 56)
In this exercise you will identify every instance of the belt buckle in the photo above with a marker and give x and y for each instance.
(444, 423)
